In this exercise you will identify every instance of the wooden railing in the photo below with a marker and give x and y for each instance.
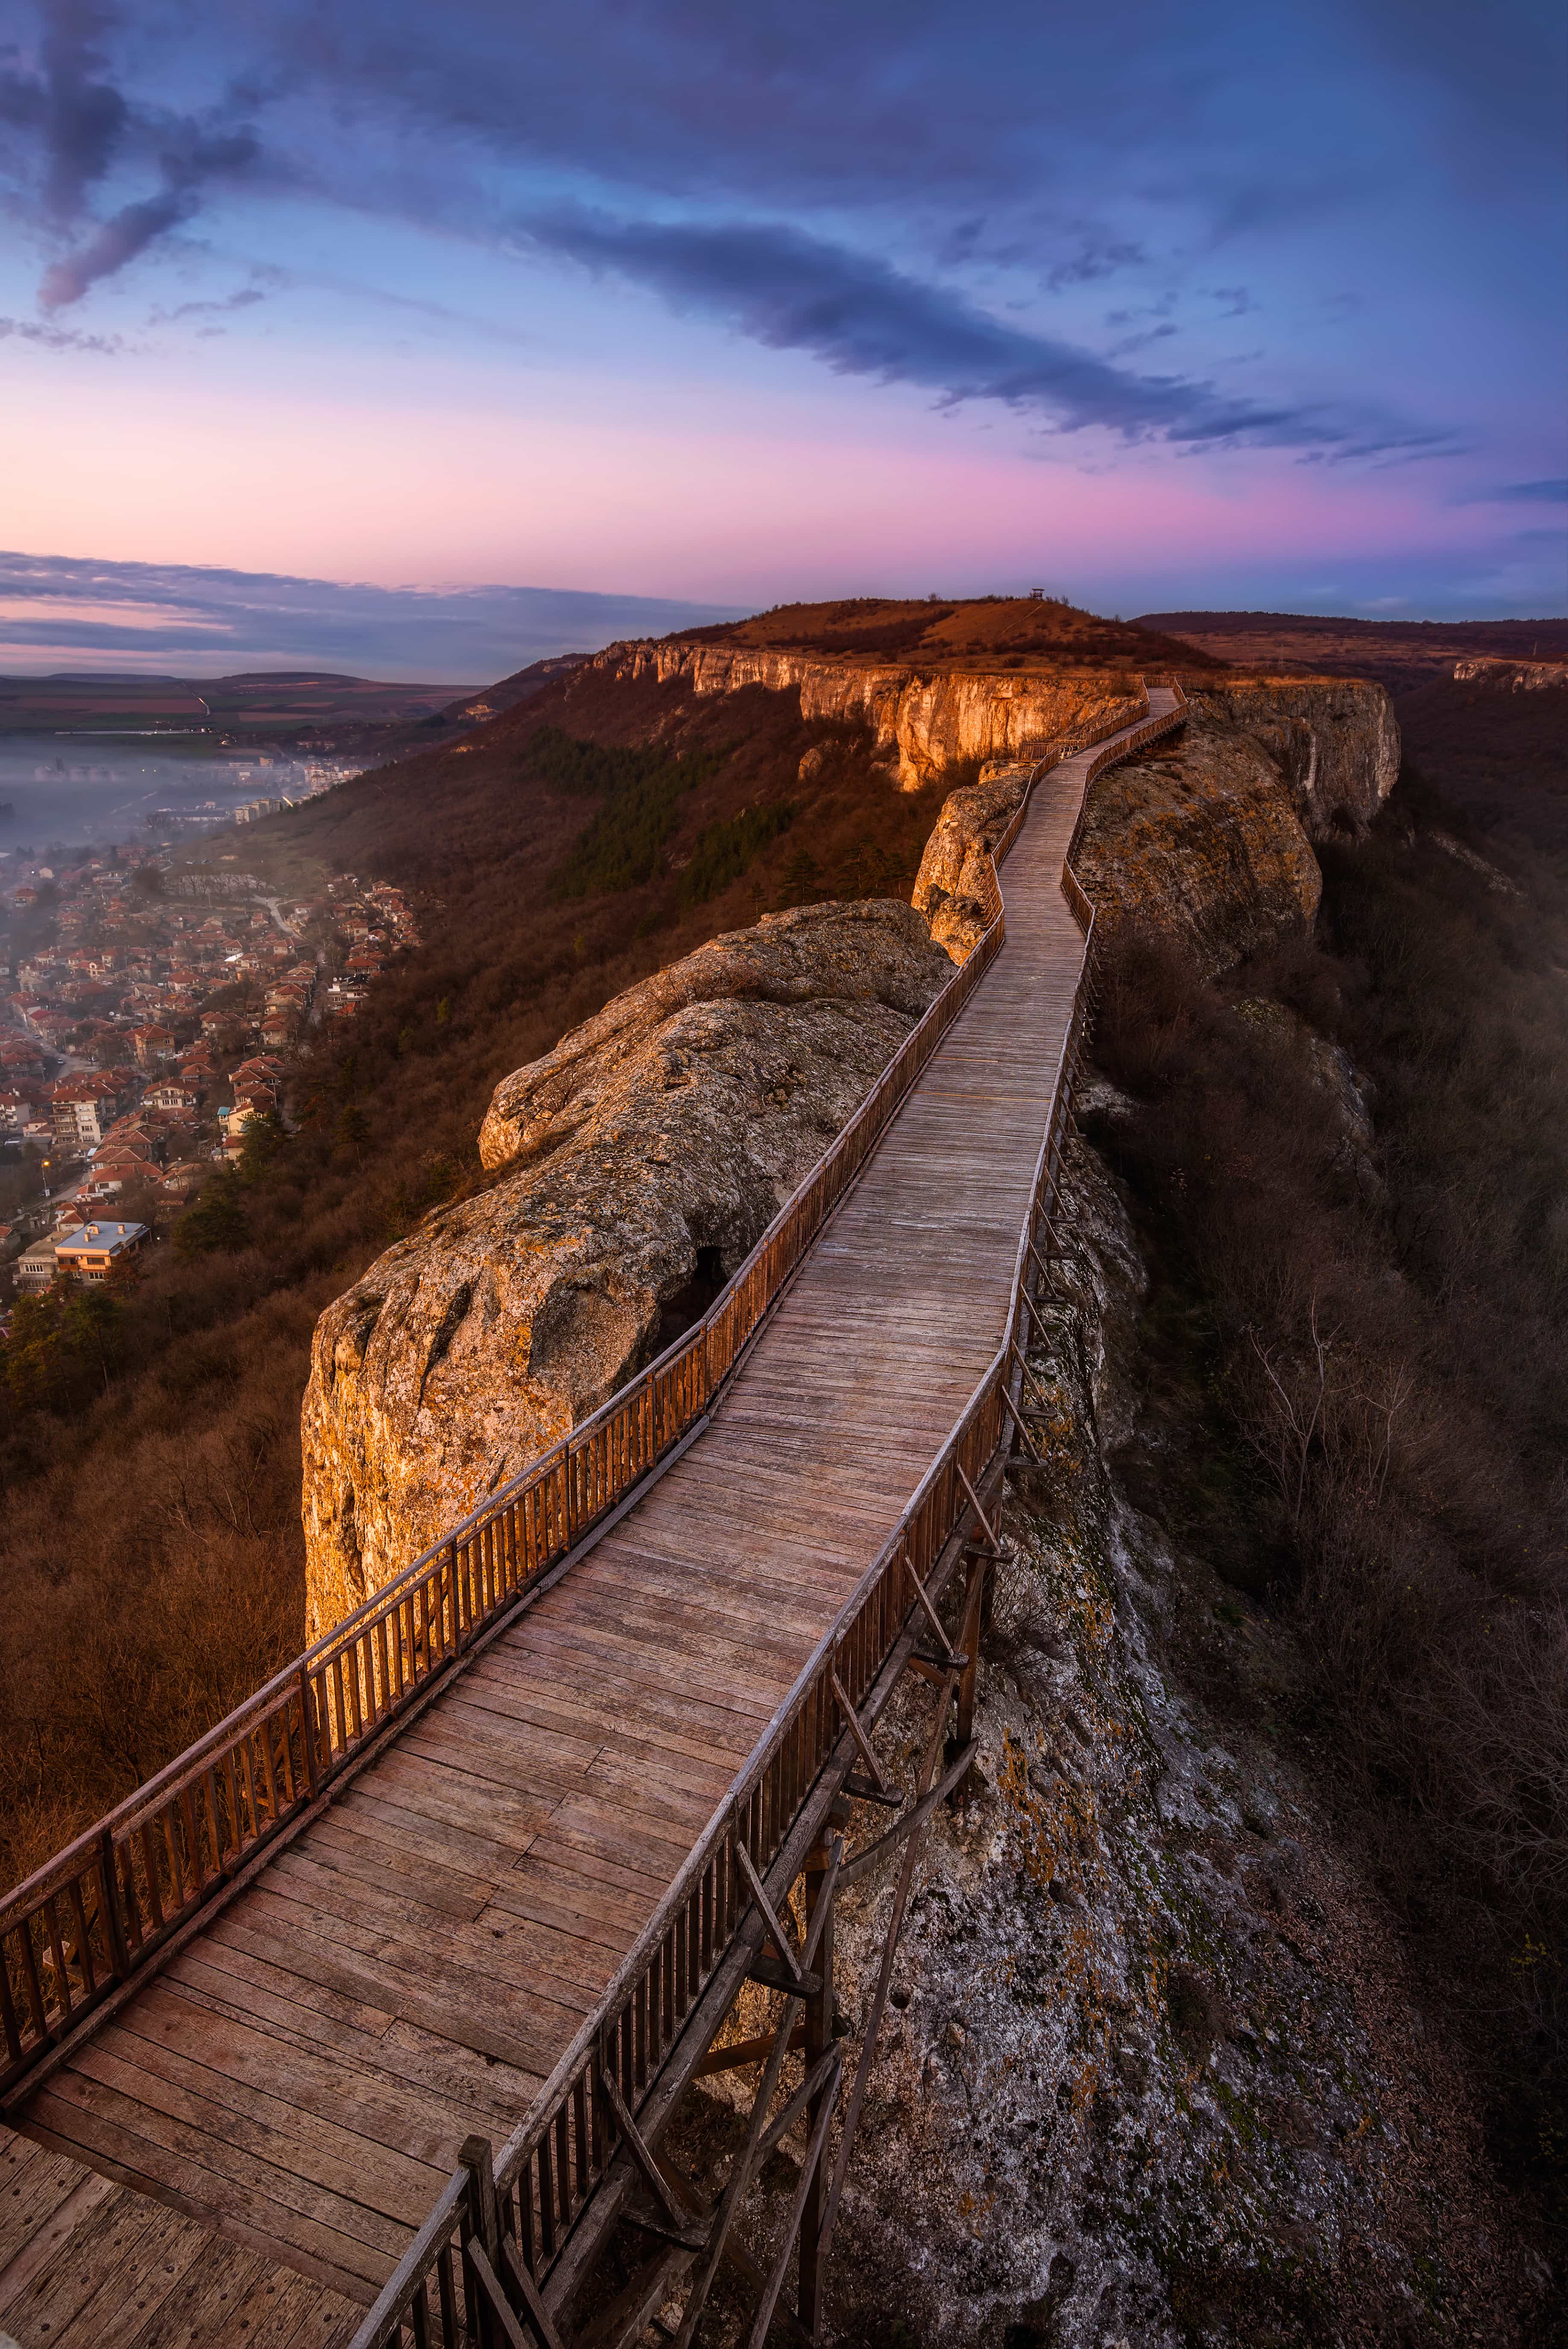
(104, 1908)
(547, 2170)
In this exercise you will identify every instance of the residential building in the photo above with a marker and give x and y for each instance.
(90, 1252)
(34, 1268)
(154, 1044)
(84, 1109)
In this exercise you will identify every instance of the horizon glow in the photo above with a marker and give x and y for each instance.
(674, 303)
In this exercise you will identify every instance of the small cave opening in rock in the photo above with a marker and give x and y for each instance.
(690, 1301)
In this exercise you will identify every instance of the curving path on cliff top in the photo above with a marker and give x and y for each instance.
(408, 1970)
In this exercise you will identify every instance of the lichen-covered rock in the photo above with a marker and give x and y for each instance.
(925, 723)
(1156, 2070)
(1204, 838)
(952, 876)
(656, 1143)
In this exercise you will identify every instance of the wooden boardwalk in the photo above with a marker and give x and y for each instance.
(299, 2077)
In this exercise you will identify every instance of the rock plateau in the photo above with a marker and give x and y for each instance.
(924, 724)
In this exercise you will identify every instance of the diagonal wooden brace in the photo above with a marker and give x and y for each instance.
(864, 1861)
(776, 1933)
(740, 2177)
(932, 1617)
(1012, 1410)
(527, 2292)
(501, 2317)
(873, 2023)
(852, 1723)
(1040, 1266)
(638, 2148)
(980, 1512)
(775, 2284)
(1033, 1382)
(821, 2071)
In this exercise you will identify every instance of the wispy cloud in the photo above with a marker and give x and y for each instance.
(176, 618)
(860, 316)
(245, 297)
(82, 127)
(1531, 493)
(186, 166)
(58, 338)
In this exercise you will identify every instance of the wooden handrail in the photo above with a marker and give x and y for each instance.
(105, 1909)
(554, 2161)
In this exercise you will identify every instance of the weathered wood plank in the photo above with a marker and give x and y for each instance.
(411, 1966)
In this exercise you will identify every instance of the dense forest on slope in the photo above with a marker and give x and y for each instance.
(1349, 1165)
(151, 1566)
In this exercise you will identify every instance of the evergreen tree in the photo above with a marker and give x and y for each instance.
(215, 1222)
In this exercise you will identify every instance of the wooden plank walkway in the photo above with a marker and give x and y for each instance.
(300, 2076)
(85, 2264)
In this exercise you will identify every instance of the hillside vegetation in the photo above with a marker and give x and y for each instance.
(1399, 653)
(982, 632)
(1349, 1162)
(151, 1563)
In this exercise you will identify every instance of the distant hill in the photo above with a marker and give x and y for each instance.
(979, 631)
(1399, 653)
(523, 683)
(1500, 754)
(262, 701)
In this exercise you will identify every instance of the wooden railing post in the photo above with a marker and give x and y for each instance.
(114, 1927)
(307, 1730)
(480, 2229)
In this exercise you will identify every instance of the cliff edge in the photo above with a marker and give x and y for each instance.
(635, 1165)
(924, 723)
(1209, 835)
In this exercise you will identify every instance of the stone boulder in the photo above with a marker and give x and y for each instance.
(637, 1166)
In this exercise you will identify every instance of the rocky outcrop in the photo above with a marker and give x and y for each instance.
(1156, 2069)
(1209, 836)
(951, 881)
(1512, 677)
(1204, 839)
(1334, 740)
(637, 1164)
(924, 723)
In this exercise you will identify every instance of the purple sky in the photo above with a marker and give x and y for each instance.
(1204, 307)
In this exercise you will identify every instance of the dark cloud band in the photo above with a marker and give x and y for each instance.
(793, 292)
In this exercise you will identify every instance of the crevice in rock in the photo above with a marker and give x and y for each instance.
(688, 1303)
(451, 1322)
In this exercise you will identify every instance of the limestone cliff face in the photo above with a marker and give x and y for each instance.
(657, 1142)
(1512, 677)
(949, 883)
(677, 1122)
(927, 723)
(1336, 742)
(1210, 835)
(1205, 839)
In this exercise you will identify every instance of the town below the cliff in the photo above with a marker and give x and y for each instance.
(153, 1020)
